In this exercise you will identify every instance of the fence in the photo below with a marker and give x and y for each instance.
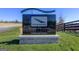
(72, 26)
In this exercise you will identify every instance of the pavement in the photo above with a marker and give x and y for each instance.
(5, 28)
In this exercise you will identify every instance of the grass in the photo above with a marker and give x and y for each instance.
(67, 42)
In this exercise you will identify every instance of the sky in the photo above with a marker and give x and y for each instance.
(12, 14)
(68, 14)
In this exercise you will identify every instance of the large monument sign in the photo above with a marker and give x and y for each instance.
(39, 26)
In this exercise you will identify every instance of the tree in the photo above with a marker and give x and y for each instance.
(61, 20)
(16, 21)
(60, 24)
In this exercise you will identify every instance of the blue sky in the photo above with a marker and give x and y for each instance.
(11, 14)
(68, 14)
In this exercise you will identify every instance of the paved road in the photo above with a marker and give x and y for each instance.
(5, 28)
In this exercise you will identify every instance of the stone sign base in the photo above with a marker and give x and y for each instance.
(38, 39)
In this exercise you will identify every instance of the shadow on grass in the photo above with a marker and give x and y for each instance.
(15, 41)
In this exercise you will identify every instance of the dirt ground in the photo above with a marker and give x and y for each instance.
(10, 24)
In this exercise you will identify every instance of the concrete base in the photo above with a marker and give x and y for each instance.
(38, 39)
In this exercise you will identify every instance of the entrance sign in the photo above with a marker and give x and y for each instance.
(41, 23)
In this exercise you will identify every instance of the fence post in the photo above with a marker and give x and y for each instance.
(64, 27)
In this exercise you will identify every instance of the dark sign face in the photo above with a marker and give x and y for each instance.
(39, 24)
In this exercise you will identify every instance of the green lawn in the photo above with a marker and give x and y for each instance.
(67, 42)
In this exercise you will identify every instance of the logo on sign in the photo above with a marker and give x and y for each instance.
(39, 21)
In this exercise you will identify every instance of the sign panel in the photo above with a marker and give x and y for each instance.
(39, 24)
(38, 21)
